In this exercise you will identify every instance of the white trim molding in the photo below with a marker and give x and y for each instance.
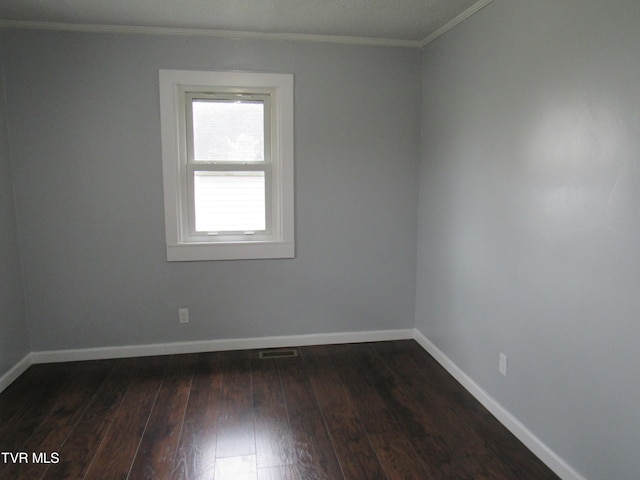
(17, 370)
(203, 32)
(533, 443)
(100, 353)
(178, 89)
(539, 448)
(455, 21)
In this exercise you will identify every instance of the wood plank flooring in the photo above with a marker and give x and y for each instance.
(367, 411)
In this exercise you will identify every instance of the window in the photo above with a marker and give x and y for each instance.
(227, 157)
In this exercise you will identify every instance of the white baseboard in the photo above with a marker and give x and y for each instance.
(100, 353)
(17, 370)
(533, 443)
(550, 458)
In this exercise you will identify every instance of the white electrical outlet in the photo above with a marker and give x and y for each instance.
(183, 315)
(502, 364)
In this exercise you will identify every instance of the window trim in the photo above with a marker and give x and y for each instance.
(279, 242)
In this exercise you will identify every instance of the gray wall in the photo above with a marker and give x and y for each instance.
(14, 343)
(85, 137)
(529, 219)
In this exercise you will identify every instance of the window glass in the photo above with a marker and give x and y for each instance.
(228, 131)
(229, 201)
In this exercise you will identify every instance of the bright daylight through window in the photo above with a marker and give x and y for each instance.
(227, 147)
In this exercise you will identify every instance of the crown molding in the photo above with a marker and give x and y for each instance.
(199, 32)
(455, 21)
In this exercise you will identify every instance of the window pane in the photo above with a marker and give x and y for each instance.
(228, 131)
(229, 201)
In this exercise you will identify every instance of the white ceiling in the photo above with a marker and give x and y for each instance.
(391, 21)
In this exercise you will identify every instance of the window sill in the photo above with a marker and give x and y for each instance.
(194, 252)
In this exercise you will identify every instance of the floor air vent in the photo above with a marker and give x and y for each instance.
(283, 353)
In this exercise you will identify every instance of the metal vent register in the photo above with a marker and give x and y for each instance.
(282, 353)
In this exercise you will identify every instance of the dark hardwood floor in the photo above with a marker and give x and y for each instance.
(367, 411)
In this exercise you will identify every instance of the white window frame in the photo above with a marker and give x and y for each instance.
(183, 244)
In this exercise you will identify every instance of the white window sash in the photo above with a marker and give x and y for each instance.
(220, 236)
(277, 241)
